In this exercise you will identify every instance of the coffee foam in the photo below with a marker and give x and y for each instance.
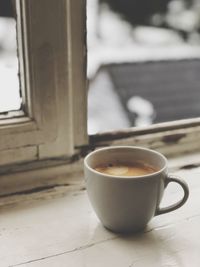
(126, 169)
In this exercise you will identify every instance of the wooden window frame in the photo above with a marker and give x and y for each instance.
(46, 48)
(51, 139)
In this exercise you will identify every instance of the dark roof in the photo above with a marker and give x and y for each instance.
(173, 87)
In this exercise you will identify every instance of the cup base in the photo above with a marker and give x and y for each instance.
(125, 231)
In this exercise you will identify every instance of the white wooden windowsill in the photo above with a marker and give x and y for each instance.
(58, 228)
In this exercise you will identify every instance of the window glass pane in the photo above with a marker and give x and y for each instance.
(143, 62)
(9, 82)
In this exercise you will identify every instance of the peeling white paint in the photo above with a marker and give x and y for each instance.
(60, 229)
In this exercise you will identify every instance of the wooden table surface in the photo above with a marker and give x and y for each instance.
(61, 230)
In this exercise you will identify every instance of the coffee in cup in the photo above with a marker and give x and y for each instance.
(125, 185)
(125, 169)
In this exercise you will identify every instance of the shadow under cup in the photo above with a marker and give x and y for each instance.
(127, 203)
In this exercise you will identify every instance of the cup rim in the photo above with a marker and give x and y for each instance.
(121, 176)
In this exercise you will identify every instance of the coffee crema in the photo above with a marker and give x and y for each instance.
(126, 169)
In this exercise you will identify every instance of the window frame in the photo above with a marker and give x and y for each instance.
(48, 84)
(46, 149)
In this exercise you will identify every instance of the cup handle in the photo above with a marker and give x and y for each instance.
(180, 203)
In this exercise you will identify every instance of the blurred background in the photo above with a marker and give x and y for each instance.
(10, 99)
(143, 62)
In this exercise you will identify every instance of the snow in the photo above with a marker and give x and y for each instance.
(113, 40)
(104, 108)
(9, 81)
(143, 109)
(116, 41)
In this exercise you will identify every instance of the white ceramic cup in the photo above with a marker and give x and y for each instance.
(126, 204)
